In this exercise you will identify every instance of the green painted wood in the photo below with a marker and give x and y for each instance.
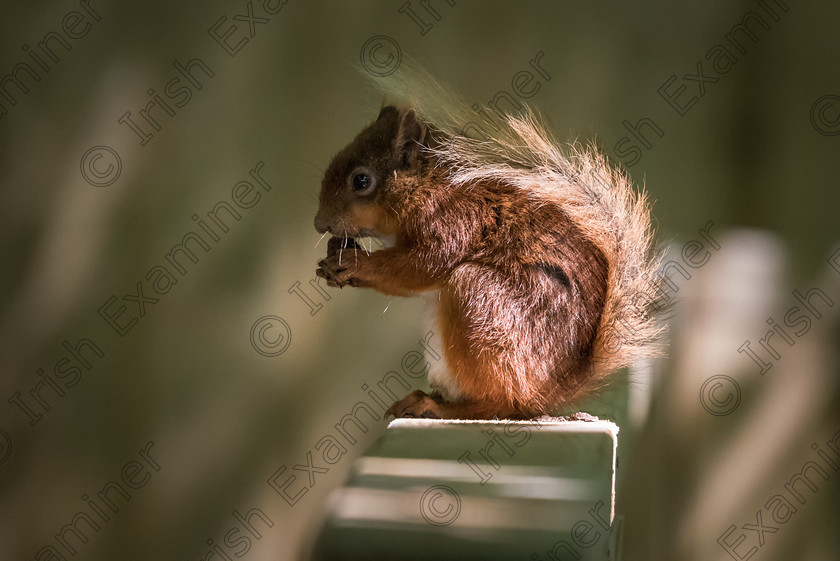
(540, 490)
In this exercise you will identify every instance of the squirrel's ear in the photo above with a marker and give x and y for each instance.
(388, 113)
(409, 137)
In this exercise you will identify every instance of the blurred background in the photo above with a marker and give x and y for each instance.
(128, 129)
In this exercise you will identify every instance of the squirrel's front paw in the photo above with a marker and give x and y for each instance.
(338, 271)
(342, 264)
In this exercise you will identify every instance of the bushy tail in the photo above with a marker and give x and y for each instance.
(600, 200)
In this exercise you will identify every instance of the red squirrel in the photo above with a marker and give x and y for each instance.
(533, 262)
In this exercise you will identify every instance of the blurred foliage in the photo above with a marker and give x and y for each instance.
(224, 418)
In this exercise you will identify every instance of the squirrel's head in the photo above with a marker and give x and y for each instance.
(361, 179)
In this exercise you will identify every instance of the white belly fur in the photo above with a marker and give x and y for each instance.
(440, 377)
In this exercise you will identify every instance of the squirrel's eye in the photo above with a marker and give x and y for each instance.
(361, 181)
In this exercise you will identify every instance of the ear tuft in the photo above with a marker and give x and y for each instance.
(388, 113)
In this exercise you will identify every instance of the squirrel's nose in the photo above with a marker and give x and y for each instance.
(321, 225)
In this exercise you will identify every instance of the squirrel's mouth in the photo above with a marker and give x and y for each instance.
(349, 243)
(354, 239)
(364, 240)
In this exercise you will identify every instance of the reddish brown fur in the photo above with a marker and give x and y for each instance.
(522, 289)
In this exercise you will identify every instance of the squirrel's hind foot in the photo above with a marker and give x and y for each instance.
(416, 404)
(420, 404)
